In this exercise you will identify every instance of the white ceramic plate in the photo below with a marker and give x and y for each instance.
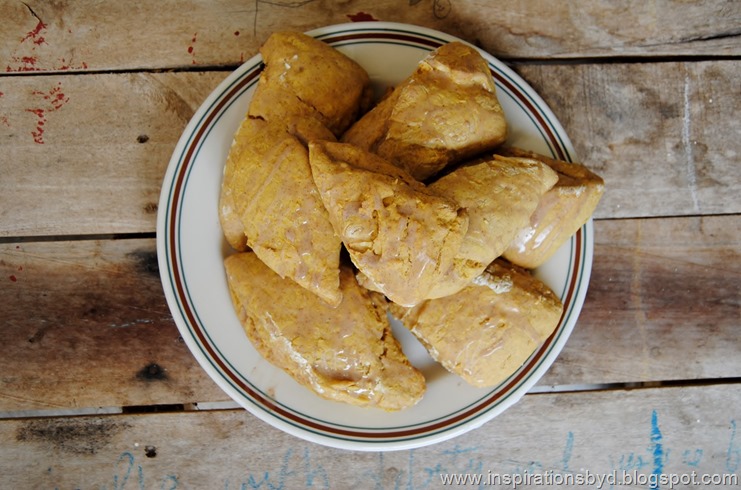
(191, 250)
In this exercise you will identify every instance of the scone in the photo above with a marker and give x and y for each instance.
(499, 195)
(401, 236)
(269, 187)
(446, 111)
(229, 215)
(346, 353)
(307, 78)
(560, 212)
(485, 332)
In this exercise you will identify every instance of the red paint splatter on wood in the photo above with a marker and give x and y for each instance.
(54, 96)
(361, 17)
(26, 63)
(54, 99)
(34, 35)
(192, 49)
(13, 278)
(20, 267)
(25, 57)
(66, 66)
(236, 33)
(38, 133)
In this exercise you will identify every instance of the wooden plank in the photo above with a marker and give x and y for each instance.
(100, 144)
(65, 140)
(665, 136)
(664, 303)
(109, 35)
(618, 434)
(85, 324)
(654, 312)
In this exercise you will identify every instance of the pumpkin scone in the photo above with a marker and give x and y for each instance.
(271, 190)
(499, 194)
(229, 215)
(560, 212)
(445, 112)
(307, 78)
(346, 353)
(402, 237)
(249, 129)
(486, 331)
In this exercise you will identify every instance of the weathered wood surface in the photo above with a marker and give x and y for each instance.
(93, 97)
(663, 304)
(672, 431)
(665, 136)
(84, 35)
(100, 144)
(85, 324)
(651, 133)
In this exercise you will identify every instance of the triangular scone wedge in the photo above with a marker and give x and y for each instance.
(250, 129)
(400, 235)
(284, 220)
(486, 331)
(346, 353)
(229, 215)
(499, 195)
(307, 78)
(446, 111)
(560, 212)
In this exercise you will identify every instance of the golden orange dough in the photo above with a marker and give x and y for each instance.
(486, 331)
(268, 201)
(400, 235)
(242, 144)
(346, 353)
(270, 189)
(560, 212)
(229, 216)
(307, 78)
(499, 195)
(445, 112)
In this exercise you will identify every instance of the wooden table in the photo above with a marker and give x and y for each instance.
(98, 390)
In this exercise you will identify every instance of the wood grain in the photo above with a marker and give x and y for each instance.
(100, 144)
(654, 431)
(94, 95)
(85, 324)
(663, 304)
(666, 144)
(663, 135)
(87, 35)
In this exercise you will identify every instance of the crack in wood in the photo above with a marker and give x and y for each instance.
(712, 37)
(32, 12)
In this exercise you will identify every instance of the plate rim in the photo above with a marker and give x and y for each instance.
(516, 388)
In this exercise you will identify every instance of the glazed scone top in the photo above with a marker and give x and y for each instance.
(345, 353)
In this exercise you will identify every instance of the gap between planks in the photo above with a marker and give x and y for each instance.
(611, 60)
(77, 238)
(233, 405)
(153, 234)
